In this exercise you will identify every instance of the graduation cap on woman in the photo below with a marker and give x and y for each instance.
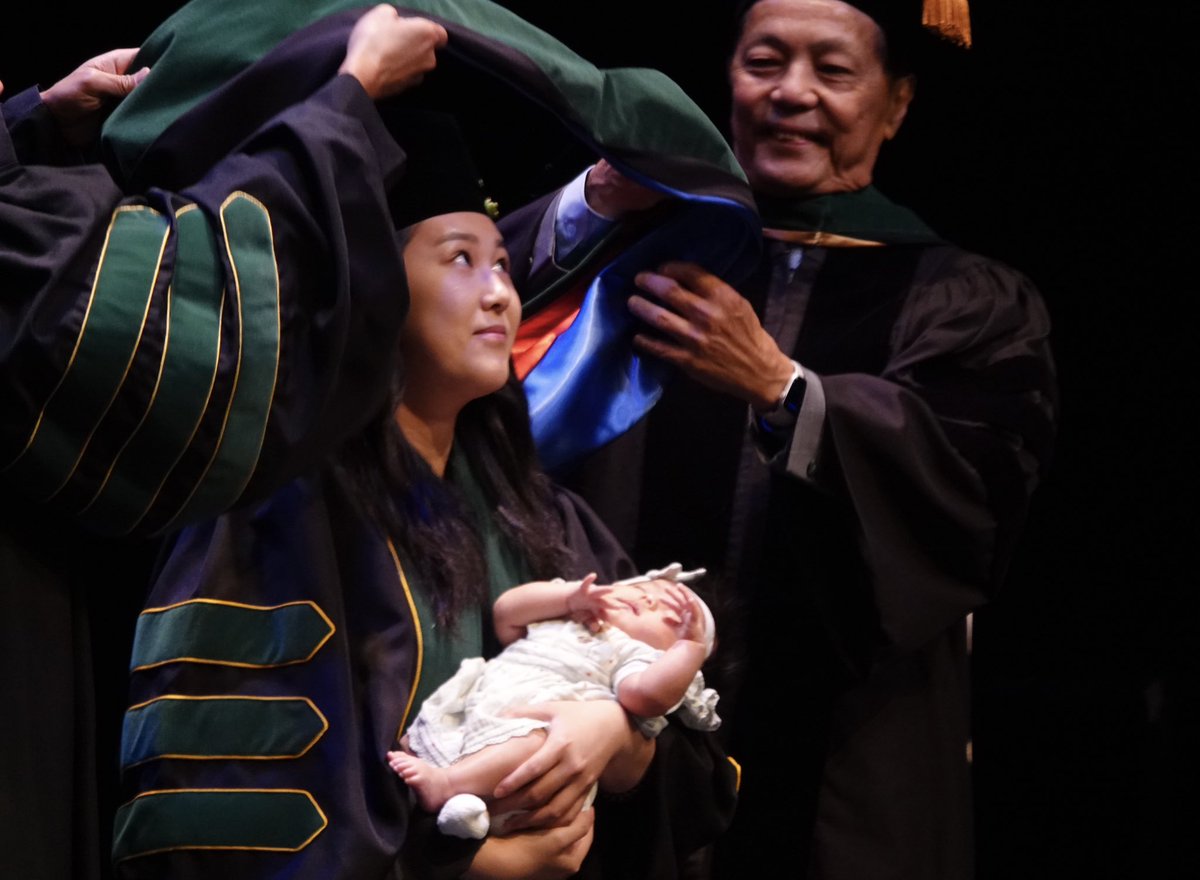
(525, 102)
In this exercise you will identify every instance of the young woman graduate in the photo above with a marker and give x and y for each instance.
(284, 645)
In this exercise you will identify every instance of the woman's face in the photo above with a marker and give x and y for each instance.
(463, 310)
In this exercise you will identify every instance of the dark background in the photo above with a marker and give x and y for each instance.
(1057, 145)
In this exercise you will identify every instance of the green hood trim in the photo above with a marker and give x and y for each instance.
(867, 214)
(627, 114)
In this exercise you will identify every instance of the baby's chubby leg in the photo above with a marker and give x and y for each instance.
(478, 773)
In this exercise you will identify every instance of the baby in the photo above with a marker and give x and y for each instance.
(641, 641)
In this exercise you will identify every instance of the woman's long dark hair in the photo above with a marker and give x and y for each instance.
(430, 519)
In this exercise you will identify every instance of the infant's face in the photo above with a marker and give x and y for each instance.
(646, 612)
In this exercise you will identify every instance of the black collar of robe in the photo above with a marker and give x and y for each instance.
(866, 215)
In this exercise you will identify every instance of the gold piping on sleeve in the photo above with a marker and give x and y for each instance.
(186, 757)
(278, 315)
(235, 663)
(412, 607)
(307, 841)
(237, 371)
(212, 383)
(128, 366)
(82, 327)
(737, 768)
(162, 364)
(154, 396)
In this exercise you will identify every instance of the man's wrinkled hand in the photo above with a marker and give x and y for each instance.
(612, 195)
(76, 100)
(710, 331)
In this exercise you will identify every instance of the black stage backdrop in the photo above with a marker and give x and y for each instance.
(1057, 146)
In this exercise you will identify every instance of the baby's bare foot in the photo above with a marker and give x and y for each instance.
(432, 784)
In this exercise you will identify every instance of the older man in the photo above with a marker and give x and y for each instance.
(899, 395)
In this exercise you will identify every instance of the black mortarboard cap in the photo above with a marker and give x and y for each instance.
(440, 175)
(907, 23)
(949, 19)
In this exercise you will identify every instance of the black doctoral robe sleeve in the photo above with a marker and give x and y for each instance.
(34, 134)
(935, 458)
(170, 355)
(528, 236)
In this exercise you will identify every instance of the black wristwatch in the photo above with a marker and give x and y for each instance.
(772, 428)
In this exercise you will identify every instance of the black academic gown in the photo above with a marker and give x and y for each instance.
(318, 171)
(284, 649)
(853, 579)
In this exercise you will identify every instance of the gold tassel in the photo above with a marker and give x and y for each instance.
(950, 19)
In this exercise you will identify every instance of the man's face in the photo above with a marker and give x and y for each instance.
(812, 102)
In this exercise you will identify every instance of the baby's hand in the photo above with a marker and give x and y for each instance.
(683, 602)
(590, 603)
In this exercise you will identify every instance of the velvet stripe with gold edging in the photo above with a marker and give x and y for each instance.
(416, 625)
(220, 727)
(125, 279)
(189, 363)
(272, 820)
(249, 240)
(229, 634)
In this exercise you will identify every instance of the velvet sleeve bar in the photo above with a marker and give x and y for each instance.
(170, 355)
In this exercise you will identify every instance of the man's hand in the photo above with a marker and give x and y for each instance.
(612, 195)
(712, 334)
(76, 100)
(388, 54)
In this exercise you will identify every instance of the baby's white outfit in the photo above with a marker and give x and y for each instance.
(556, 660)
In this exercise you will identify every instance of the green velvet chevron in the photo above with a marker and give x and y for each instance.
(229, 634)
(211, 727)
(278, 820)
